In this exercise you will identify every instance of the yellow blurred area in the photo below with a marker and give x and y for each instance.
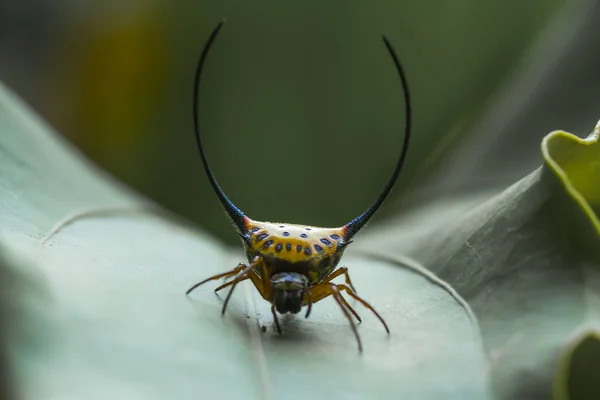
(115, 78)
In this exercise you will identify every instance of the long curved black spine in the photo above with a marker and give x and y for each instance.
(357, 223)
(236, 216)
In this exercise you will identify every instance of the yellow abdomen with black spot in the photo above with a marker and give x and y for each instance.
(310, 250)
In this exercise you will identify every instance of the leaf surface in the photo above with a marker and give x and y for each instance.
(102, 275)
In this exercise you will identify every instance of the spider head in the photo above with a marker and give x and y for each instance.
(288, 291)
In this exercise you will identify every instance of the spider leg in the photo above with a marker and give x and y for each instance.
(230, 283)
(259, 283)
(352, 294)
(334, 275)
(338, 272)
(322, 290)
(364, 303)
(234, 271)
(348, 281)
(309, 302)
(275, 318)
(241, 276)
(322, 294)
(266, 291)
(352, 310)
(263, 285)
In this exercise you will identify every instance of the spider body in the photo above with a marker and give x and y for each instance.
(295, 258)
(291, 265)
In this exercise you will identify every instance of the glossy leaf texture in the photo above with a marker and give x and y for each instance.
(490, 295)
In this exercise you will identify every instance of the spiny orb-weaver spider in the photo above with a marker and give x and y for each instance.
(293, 265)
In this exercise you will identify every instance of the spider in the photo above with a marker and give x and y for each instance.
(292, 265)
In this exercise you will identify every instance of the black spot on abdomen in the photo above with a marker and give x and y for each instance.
(262, 236)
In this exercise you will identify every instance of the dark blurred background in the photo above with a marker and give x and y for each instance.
(301, 107)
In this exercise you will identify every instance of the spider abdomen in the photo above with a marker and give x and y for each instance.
(309, 250)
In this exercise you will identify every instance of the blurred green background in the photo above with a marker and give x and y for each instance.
(301, 107)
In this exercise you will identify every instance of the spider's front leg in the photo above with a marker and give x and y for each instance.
(241, 273)
(338, 272)
(233, 272)
(323, 290)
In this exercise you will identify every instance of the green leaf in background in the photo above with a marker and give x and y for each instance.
(526, 260)
(102, 273)
(284, 80)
